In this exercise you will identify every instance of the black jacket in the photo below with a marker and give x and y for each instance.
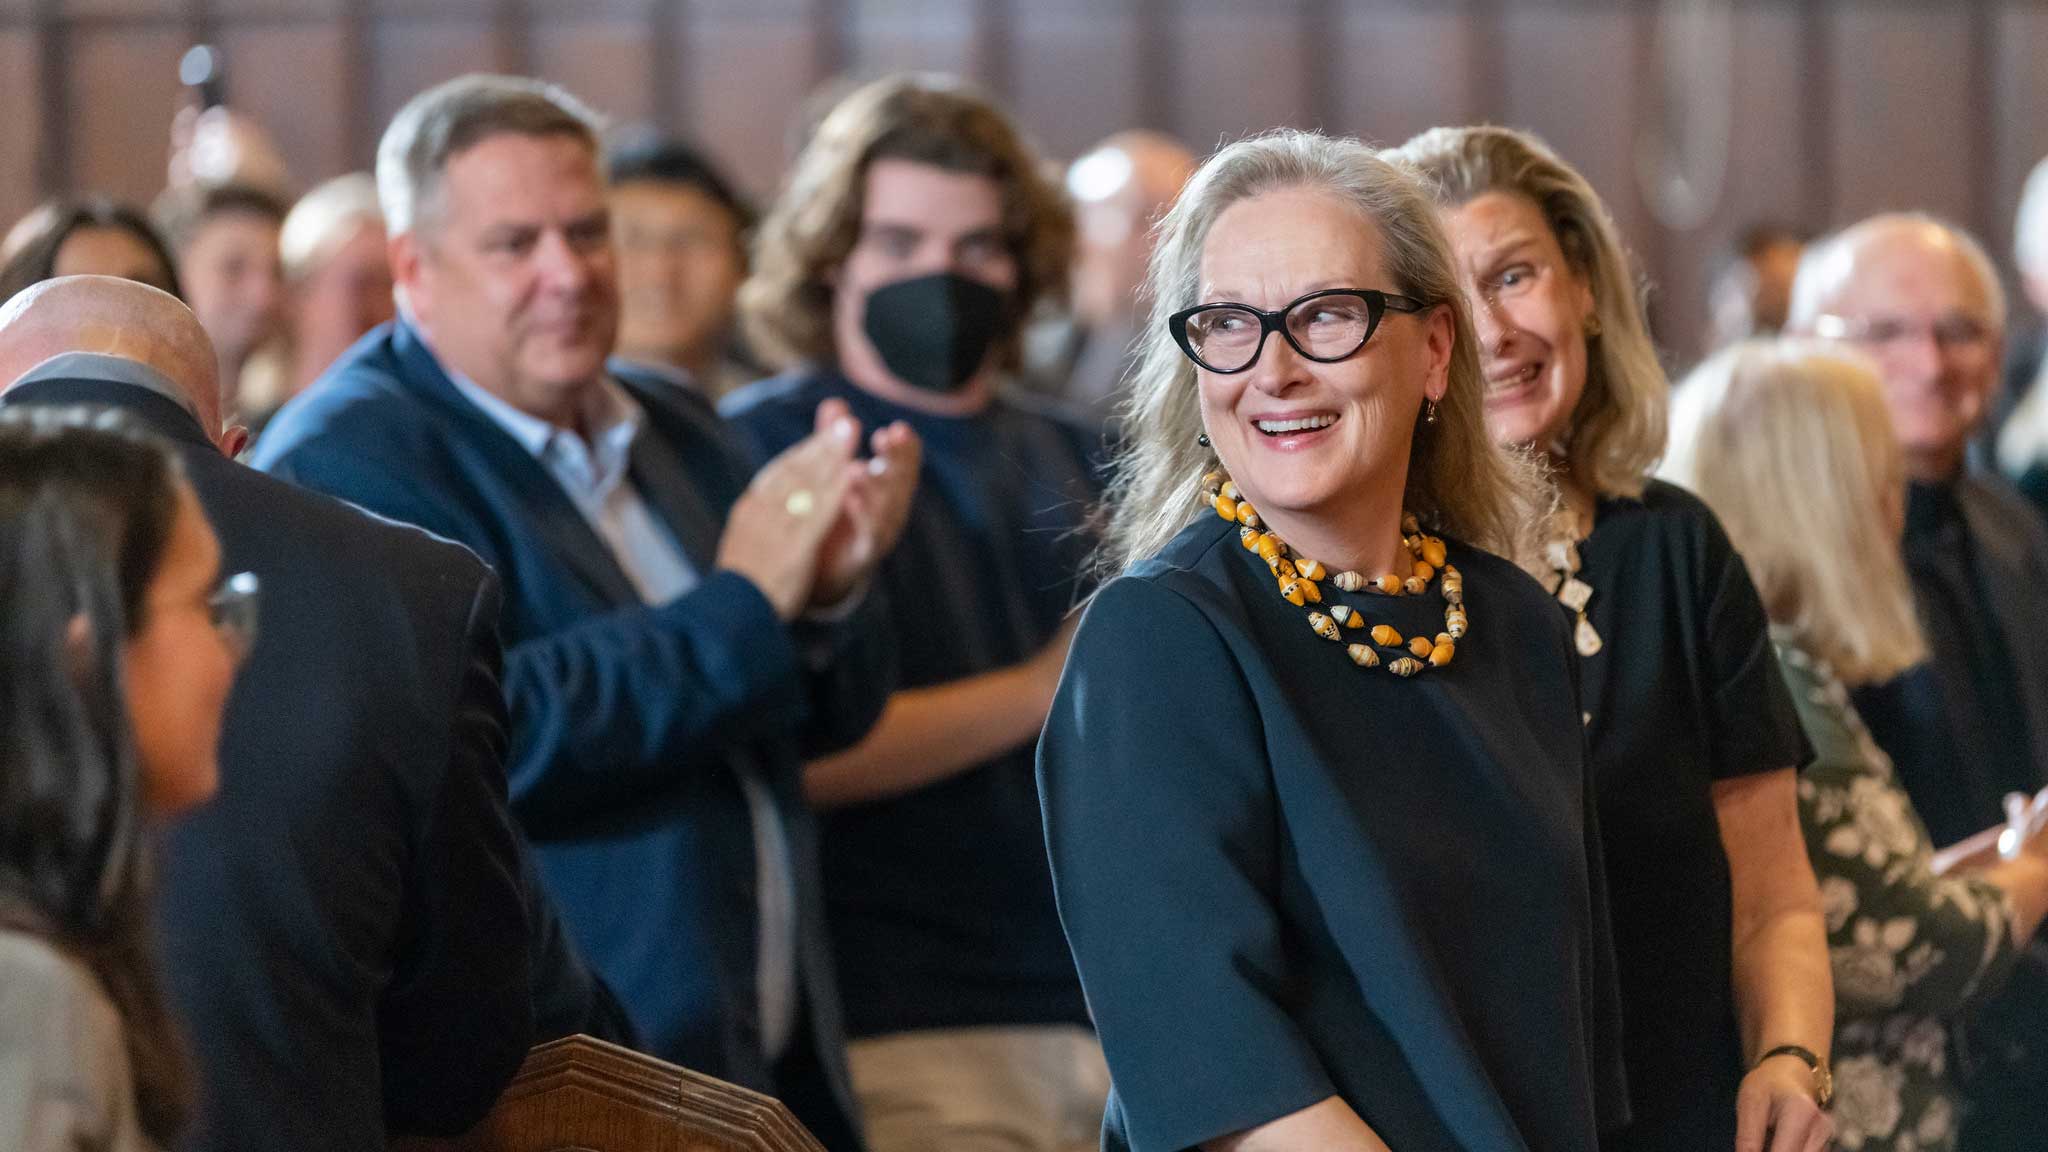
(631, 722)
(344, 931)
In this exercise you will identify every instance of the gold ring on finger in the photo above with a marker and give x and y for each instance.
(800, 503)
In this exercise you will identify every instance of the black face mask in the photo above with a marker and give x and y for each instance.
(933, 332)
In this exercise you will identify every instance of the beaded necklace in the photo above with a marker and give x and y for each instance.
(1299, 579)
(1562, 555)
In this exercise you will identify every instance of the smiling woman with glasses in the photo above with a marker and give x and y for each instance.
(1313, 787)
(118, 644)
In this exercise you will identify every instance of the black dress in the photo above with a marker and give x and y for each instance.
(1684, 692)
(1285, 878)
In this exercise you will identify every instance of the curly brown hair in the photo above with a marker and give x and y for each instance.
(786, 303)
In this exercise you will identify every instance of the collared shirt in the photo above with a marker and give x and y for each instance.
(594, 474)
(116, 369)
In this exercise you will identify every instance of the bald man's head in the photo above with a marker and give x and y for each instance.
(1922, 299)
(112, 317)
(1120, 188)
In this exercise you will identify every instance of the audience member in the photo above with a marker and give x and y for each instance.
(678, 637)
(118, 644)
(337, 277)
(90, 236)
(217, 145)
(344, 927)
(225, 237)
(1268, 859)
(1692, 737)
(1120, 188)
(1751, 292)
(1792, 446)
(2017, 429)
(1970, 726)
(891, 278)
(681, 233)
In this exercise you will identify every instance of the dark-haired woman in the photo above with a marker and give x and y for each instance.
(118, 643)
(87, 236)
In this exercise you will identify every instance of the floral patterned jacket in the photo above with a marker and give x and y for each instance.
(1911, 950)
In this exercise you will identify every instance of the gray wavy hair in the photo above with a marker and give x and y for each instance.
(1459, 481)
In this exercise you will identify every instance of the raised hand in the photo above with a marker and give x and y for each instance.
(779, 525)
(876, 508)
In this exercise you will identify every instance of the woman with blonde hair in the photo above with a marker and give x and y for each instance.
(1313, 782)
(1792, 445)
(1692, 737)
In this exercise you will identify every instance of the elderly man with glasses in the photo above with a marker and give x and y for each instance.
(1922, 299)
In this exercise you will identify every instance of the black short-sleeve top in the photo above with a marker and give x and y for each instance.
(1685, 691)
(1284, 877)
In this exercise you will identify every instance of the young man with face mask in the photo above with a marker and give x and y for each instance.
(915, 235)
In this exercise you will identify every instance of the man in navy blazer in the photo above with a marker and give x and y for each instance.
(679, 637)
(344, 932)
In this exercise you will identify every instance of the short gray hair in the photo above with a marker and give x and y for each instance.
(449, 118)
(324, 219)
(1829, 262)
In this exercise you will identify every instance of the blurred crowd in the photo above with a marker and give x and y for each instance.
(853, 645)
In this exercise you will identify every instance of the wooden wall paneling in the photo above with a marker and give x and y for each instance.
(1237, 67)
(2021, 123)
(1841, 107)
(413, 48)
(990, 51)
(607, 59)
(1571, 75)
(120, 93)
(21, 142)
(230, 13)
(1764, 178)
(1980, 96)
(747, 67)
(910, 36)
(1073, 76)
(1397, 68)
(121, 10)
(292, 76)
(1902, 133)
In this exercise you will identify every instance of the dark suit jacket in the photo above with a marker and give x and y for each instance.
(343, 926)
(2012, 547)
(628, 720)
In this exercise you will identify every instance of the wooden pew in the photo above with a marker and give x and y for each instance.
(584, 1095)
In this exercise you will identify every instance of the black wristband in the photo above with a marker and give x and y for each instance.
(1806, 1054)
(1823, 1076)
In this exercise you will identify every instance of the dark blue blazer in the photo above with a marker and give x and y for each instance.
(344, 931)
(628, 720)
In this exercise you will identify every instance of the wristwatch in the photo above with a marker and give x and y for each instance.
(1823, 1079)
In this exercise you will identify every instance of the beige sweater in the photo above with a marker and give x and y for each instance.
(64, 1079)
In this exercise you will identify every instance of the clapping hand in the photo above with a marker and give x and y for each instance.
(870, 519)
(778, 528)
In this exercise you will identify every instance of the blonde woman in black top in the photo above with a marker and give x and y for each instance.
(1693, 740)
